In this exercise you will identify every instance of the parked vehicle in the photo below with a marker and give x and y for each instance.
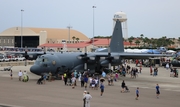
(20, 58)
(4, 59)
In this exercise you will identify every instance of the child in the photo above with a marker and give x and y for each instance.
(137, 93)
(11, 74)
(102, 88)
(73, 79)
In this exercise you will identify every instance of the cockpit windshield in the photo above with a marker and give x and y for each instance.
(41, 59)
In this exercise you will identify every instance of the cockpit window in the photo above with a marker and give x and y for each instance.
(42, 60)
(38, 59)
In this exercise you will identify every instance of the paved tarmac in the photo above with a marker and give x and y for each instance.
(14, 93)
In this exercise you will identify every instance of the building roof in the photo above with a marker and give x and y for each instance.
(60, 45)
(97, 42)
(53, 33)
(61, 33)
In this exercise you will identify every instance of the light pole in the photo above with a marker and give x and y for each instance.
(69, 27)
(93, 26)
(22, 27)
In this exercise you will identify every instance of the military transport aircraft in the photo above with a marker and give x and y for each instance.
(57, 62)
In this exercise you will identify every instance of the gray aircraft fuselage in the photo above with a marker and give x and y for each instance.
(59, 62)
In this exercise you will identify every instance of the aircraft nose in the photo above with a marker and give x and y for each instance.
(34, 69)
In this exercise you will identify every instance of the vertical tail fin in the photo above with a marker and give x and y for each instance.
(117, 44)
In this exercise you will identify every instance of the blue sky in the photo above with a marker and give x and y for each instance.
(153, 18)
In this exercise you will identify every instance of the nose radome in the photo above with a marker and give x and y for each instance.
(34, 69)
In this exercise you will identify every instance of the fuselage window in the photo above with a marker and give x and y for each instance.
(44, 60)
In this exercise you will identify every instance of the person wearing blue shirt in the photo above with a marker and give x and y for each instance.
(75, 74)
(85, 81)
(102, 88)
(103, 74)
(137, 93)
(157, 91)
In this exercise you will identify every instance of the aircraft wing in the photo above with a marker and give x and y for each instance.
(125, 55)
(141, 56)
(27, 55)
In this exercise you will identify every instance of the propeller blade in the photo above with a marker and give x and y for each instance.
(109, 50)
(109, 65)
(85, 66)
(44, 50)
(85, 50)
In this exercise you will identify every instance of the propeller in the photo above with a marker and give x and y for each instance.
(85, 58)
(107, 59)
(44, 49)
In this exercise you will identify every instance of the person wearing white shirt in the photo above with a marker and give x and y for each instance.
(90, 82)
(20, 75)
(87, 97)
(96, 83)
(84, 99)
(73, 79)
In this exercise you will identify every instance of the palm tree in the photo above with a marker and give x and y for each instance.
(77, 39)
(131, 40)
(142, 36)
(179, 40)
(137, 42)
(145, 40)
(73, 38)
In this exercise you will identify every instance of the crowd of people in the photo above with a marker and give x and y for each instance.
(96, 82)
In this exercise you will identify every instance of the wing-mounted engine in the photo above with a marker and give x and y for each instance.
(107, 59)
(85, 58)
(110, 60)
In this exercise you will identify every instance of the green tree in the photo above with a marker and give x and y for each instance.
(146, 41)
(73, 38)
(77, 39)
(137, 42)
(142, 36)
(131, 40)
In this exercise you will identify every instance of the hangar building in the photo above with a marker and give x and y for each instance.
(33, 37)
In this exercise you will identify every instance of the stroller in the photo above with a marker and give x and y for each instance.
(69, 83)
(126, 89)
(40, 81)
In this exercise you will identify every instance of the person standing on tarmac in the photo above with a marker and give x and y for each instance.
(11, 74)
(84, 99)
(102, 88)
(88, 98)
(20, 75)
(123, 85)
(50, 76)
(137, 93)
(157, 91)
(65, 78)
